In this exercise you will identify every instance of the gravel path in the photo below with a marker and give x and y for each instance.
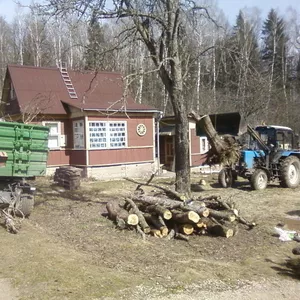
(266, 290)
(6, 290)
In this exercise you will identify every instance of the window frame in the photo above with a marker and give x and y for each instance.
(58, 135)
(204, 139)
(82, 134)
(106, 135)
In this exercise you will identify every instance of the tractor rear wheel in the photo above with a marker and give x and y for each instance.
(290, 172)
(226, 178)
(259, 179)
(25, 205)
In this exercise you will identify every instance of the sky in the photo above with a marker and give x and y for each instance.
(230, 7)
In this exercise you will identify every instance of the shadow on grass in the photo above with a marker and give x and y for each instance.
(283, 269)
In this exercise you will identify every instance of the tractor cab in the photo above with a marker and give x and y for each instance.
(277, 137)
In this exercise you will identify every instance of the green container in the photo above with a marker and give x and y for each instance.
(26, 147)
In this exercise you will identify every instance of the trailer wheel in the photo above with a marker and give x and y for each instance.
(259, 179)
(25, 205)
(290, 172)
(226, 178)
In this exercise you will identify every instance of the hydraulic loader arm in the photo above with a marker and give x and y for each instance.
(256, 137)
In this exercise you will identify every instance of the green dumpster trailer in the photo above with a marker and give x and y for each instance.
(23, 156)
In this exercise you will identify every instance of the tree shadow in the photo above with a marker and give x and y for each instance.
(283, 269)
(294, 213)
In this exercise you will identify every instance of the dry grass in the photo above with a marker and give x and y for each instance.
(68, 249)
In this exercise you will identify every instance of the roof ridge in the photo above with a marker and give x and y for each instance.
(69, 70)
(31, 67)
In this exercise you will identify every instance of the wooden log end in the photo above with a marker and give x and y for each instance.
(147, 230)
(164, 231)
(193, 216)
(167, 215)
(205, 212)
(156, 233)
(187, 229)
(132, 219)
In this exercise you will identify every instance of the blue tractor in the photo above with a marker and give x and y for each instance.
(269, 154)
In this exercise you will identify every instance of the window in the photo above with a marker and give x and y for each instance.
(204, 146)
(54, 134)
(12, 92)
(107, 135)
(78, 134)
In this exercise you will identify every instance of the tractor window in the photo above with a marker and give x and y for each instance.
(289, 141)
(284, 140)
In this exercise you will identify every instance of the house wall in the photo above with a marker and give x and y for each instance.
(137, 159)
(140, 148)
(197, 158)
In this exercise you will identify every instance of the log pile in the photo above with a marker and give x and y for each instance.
(68, 177)
(163, 217)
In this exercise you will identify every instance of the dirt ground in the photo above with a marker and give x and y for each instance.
(68, 249)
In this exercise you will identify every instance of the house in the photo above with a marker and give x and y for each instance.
(198, 145)
(224, 123)
(94, 124)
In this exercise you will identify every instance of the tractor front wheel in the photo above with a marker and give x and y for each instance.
(25, 205)
(290, 172)
(226, 178)
(259, 179)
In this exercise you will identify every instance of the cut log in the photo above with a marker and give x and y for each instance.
(205, 223)
(144, 225)
(172, 204)
(224, 151)
(180, 236)
(187, 229)
(156, 233)
(157, 223)
(202, 211)
(168, 191)
(159, 210)
(171, 234)
(228, 216)
(119, 214)
(221, 230)
(186, 217)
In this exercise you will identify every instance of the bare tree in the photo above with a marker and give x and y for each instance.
(161, 26)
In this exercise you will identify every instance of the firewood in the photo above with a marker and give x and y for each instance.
(117, 213)
(200, 210)
(157, 223)
(144, 225)
(141, 232)
(180, 236)
(171, 234)
(156, 233)
(187, 229)
(167, 190)
(160, 210)
(221, 230)
(172, 204)
(186, 217)
(222, 215)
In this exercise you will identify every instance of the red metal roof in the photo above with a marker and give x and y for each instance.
(95, 90)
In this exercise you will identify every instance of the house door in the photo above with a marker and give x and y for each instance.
(169, 152)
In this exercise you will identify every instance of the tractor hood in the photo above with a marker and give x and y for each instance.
(227, 123)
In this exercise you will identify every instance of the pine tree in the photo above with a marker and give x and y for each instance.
(274, 50)
(94, 55)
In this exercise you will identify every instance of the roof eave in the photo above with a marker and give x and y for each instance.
(123, 110)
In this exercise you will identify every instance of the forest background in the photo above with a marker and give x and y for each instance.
(252, 66)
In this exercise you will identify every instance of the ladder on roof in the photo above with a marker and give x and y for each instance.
(67, 80)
